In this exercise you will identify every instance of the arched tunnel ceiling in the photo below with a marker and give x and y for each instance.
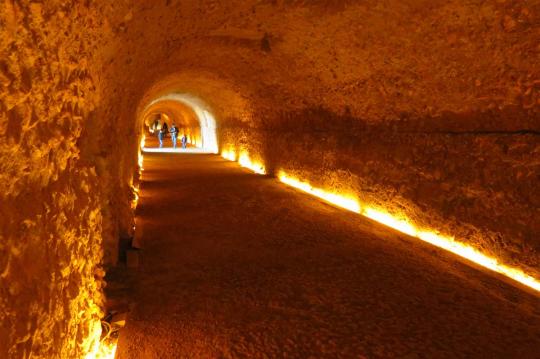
(343, 85)
(376, 61)
(452, 85)
(179, 113)
(200, 90)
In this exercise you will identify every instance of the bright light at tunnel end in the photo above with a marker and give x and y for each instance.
(347, 201)
(141, 149)
(206, 119)
(404, 225)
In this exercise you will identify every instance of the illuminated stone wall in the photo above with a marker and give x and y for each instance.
(477, 185)
(50, 196)
(429, 108)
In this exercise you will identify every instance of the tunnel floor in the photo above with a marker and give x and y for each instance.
(237, 265)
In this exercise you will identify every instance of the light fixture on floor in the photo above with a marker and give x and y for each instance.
(406, 226)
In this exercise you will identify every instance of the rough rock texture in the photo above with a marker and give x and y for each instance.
(50, 210)
(279, 274)
(425, 107)
(480, 186)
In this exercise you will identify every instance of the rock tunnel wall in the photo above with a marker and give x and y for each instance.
(428, 108)
(50, 199)
(478, 185)
(435, 117)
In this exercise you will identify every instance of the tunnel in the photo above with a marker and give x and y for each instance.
(189, 114)
(172, 113)
(360, 179)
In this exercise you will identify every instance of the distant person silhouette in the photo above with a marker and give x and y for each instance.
(174, 133)
(162, 133)
(160, 137)
(184, 141)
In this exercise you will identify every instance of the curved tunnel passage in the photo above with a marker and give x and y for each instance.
(172, 113)
(421, 115)
(192, 116)
(235, 265)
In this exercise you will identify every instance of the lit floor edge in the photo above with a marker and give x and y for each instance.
(174, 150)
(402, 225)
(108, 351)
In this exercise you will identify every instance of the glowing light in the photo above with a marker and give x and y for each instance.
(246, 162)
(176, 150)
(229, 155)
(208, 131)
(104, 348)
(346, 202)
(136, 197)
(208, 137)
(404, 225)
(141, 149)
(143, 141)
(388, 220)
(472, 254)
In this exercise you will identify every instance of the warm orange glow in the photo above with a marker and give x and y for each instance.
(136, 199)
(229, 155)
(143, 141)
(472, 254)
(101, 348)
(387, 219)
(406, 226)
(343, 201)
(141, 157)
(246, 162)
(194, 139)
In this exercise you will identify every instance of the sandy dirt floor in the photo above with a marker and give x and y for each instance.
(237, 265)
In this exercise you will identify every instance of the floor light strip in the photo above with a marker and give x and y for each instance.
(405, 226)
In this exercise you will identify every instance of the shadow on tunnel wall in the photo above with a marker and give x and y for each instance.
(469, 176)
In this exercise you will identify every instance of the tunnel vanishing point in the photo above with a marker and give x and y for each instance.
(422, 115)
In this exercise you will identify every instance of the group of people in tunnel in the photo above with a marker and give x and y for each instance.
(164, 130)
